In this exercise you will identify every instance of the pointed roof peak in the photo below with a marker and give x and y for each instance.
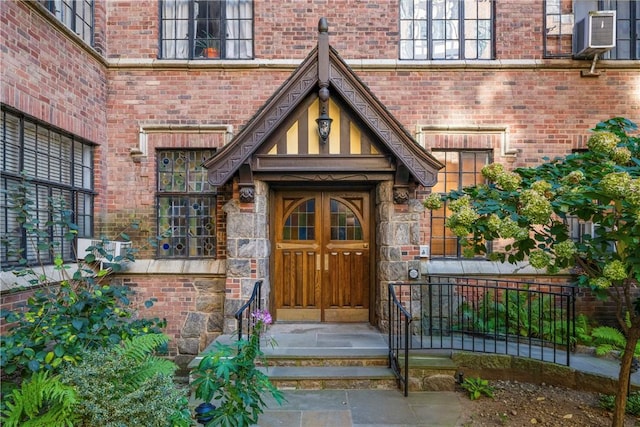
(323, 25)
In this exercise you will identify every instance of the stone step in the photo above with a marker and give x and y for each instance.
(292, 360)
(331, 377)
(316, 357)
(431, 372)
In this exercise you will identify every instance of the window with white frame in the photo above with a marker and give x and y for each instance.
(202, 29)
(446, 29)
(77, 15)
(57, 169)
(186, 205)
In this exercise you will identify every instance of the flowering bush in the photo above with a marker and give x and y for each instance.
(531, 207)
(230, 378)
(433, 201)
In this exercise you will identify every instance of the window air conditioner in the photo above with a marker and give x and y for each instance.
(111, 247)
(594, 34)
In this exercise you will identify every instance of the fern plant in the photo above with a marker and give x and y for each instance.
(607, 339)
(583, 330)
(139, 350)
(42, 400)
(516, 313)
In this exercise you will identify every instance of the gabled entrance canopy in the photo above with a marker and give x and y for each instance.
(366, 142)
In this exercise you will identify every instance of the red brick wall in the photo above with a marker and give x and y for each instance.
(46, 75)
(545, 104)
(174, 297)
(359, 29)
(132, 28)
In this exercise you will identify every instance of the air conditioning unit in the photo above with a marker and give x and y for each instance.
(594, 34)
(111, 247)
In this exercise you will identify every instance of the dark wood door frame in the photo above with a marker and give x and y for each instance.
(320, 258)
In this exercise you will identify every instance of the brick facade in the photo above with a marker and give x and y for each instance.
(108, 93)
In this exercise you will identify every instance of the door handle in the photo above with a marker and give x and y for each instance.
(326, 262)
(318, 265)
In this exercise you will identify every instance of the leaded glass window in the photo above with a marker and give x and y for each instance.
(186, 205)
(300, 224)
(345, 225)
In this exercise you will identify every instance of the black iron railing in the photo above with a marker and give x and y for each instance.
(399, 320)
(526, 319)
(244, 314)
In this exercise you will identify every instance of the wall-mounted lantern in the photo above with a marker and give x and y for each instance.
(324, 126)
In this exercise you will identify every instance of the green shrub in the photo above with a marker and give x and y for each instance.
(633, 403)
(59, 323)
(126, 386)
(477, 387)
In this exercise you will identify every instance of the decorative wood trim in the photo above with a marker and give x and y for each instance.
(313, 163)
(324, 178)
(322, 69)
(227, 161)
(417, 159)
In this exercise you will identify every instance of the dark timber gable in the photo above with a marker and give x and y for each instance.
(280, 142)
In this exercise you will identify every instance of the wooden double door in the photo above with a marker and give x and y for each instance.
(322, 256)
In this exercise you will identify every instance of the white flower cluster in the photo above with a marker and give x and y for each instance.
(535, 206)
(603, 142)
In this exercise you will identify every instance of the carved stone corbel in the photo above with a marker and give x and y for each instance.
(245, 182)
(401, 185)
(247, 194)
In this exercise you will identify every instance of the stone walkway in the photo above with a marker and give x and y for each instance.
(372, 408)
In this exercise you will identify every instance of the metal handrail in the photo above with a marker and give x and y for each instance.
(518, 318)
(399, 320)
(243, 315)
(526, 319)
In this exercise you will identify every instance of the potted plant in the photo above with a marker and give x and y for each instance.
(209, 45)
(229, 376)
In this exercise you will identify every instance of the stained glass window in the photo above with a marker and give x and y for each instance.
(186, 205)
(344, 222)
(300, 224)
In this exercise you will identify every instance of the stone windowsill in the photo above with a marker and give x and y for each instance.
(473, 267)
(11, 282)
